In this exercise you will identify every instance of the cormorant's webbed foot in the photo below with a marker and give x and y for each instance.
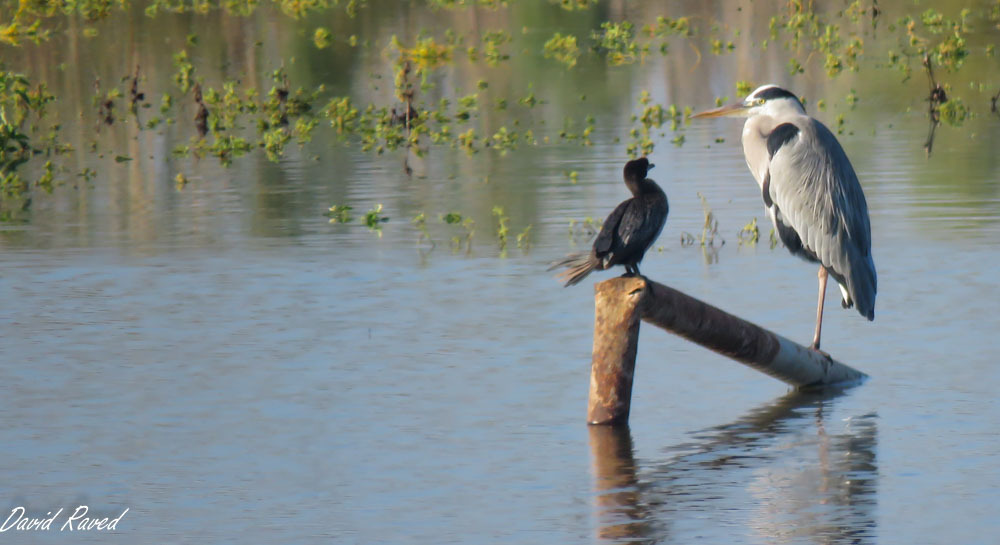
(630, 271)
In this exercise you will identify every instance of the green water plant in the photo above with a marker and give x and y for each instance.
(466, 224)
(24, 137)
(562, 48)
(339, 213)
(524, 238)
(503, 226)
(322, 37)
(617, 43)
(710, 228)
(420, 222)
(492, 43)
(374, 219)
(749, 234)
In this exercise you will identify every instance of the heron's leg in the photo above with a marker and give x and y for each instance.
(819, 306)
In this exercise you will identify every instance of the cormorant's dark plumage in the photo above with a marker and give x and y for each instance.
(627, 233)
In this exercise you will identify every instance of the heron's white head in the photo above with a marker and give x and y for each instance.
(767, 99)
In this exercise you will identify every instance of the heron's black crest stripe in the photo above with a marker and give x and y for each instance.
(775, 92)
(765, 190)
(781, 134)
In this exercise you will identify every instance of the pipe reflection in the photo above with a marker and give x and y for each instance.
(783, 473)
(620, 513)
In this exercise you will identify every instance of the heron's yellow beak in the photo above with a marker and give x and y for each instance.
(732, 110)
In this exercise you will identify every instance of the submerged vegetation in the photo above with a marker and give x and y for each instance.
(27, 135)
(505, 85)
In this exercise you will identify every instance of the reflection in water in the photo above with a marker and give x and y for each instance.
(780, 472)
(621, 514)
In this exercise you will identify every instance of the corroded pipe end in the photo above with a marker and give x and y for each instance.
(616, 338)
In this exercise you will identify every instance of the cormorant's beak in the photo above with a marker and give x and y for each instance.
(732, 110)
(651, 165)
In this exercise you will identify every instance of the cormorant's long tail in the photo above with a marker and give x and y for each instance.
(578, 266)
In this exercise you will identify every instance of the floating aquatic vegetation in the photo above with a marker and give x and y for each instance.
(954, 112)
(425, 56)
(455, 4)
(951, 109)
(341, 113)
(420, 222)
(749, 234)
(439, 103)
(18, 30)
(23, 107)
(666, 27)
(504, 140)
(571, 5)
(503, 227)
(492, 41)
(709, 232)
(851, 99)
(184, 77)
(617, 43)
(563, 49)
(653, 116)
(374, 219)
(718, 47)
(322, 38)
(937, 37)
(467, 224)
(467, 141)
(528, 101)
(300, 8)
(524, 238)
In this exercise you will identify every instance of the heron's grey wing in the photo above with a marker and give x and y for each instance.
(606, 239)
(817, 193)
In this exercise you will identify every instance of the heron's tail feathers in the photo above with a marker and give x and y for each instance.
(578, 266)
(861, 288)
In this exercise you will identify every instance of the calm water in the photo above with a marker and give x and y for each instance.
(232, 368)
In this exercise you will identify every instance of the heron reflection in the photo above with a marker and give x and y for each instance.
(781, 473)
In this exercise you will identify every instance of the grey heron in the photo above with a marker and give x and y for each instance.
(627, 232)
(811, 193)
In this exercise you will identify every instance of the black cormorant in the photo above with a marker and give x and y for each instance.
(627, 233)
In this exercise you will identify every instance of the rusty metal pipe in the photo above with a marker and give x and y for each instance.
(620, 300)
(616, 338)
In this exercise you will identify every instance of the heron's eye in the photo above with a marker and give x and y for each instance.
(759, 101)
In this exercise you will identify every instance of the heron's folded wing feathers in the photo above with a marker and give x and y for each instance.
(814, 186)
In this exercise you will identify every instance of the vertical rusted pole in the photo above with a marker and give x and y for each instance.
(616, 337)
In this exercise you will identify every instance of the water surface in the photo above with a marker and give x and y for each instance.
(231, 367)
